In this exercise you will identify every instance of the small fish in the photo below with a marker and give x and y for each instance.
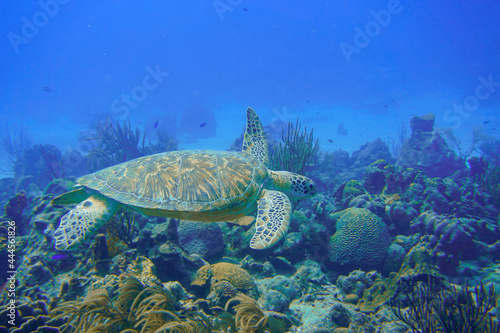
(245, 9)
(203, 124)
(385, 105)
(156, 124)
(307, 101)
(230, 260)
(47, 89)
(486, 122)
(59, 256)
(330, 140)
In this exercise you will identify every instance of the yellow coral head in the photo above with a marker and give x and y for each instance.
(293, 184)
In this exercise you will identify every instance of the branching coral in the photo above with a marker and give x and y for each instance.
(490, 149)
(13, 142)
(134, 309)
(122, 226)
(298, 151)
(432, 309)
(478, 138)
(396, 145)
(249, 317)
(491, 184)
(90, 313)
(139, 309)
(165, 143)
(119, 143)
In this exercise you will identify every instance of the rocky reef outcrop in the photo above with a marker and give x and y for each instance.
(426, 150)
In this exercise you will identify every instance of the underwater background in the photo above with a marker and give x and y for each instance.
(390, 107)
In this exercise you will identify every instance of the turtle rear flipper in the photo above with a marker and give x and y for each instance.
(83, 221)
(273, 219)
(71, 197)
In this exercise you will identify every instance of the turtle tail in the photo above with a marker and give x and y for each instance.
(83, 221)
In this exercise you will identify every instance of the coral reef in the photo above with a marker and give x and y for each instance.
(426, 150)
(14, 141)
(416, 265)
(204, 239)
(40, 165)
(117, 143)
(375, 177)
(31, 315)
(101, 254)
(369, 153)
(14, 210)
(430, 308)
(278, 292)
(297, 152)
(356, 282)
(381, 236)
(490, 184)
(122, 226)
(331, 169)
(136, 308)
(361, 239)
(352, 189)
(455, 239)
(209, 275)
(132, 308)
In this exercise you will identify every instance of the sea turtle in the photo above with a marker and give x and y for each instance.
(197, 185)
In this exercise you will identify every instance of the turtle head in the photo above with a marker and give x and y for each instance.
(293, 184)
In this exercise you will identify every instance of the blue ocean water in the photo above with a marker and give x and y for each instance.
(352, 71)
(368, 65)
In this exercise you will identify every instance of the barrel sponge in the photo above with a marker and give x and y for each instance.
(361, 239)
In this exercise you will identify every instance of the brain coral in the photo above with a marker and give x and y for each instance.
(238, 277)
(361, 239)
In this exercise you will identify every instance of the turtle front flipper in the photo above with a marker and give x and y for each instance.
(273, 219)
(83, 221)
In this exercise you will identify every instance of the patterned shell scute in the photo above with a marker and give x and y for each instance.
(195, 180)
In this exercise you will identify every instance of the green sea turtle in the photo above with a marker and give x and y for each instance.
(197, 185)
